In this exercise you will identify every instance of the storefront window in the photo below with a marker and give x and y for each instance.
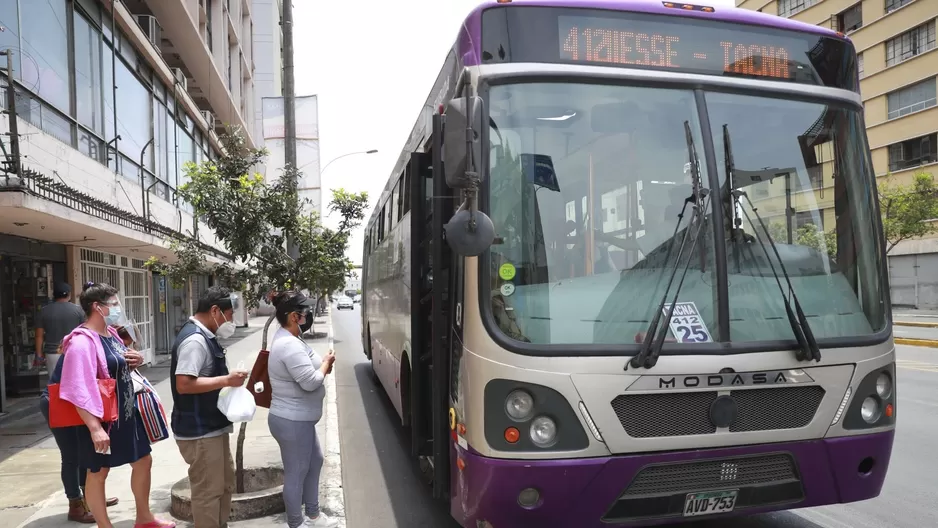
(10, 36)
(133, 115)
(89, 106)
(108, 88)
(159, 139)
(45, 51)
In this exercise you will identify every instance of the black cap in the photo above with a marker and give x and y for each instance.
(61, 290)
(295, 303)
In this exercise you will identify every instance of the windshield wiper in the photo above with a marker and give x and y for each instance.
(799, 323)
(654, 337)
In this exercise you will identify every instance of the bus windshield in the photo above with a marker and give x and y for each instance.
(586, 185)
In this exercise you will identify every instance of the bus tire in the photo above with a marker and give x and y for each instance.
(367, 343)
(405, 392)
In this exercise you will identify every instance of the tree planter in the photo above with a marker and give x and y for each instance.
(262, 496)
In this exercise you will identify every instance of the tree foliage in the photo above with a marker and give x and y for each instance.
(808, 235)
(906, 213)
(253, 219)
(906, 209)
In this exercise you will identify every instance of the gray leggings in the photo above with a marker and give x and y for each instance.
(302, 464)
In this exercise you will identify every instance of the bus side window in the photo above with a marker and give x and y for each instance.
(405, 191)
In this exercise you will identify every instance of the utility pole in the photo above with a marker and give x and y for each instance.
(13, 160)
(289, 102)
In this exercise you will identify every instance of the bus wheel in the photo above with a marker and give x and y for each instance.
(367, 343)
(405, 392)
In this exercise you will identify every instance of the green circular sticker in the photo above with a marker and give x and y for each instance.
(506, 271)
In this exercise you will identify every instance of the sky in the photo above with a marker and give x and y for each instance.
(372, 65)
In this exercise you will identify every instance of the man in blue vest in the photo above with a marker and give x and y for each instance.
(199, 371)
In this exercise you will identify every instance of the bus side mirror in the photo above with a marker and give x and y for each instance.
(461, 142)
(469, 232)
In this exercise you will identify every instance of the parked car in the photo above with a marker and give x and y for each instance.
(345, 303)
(357, 299)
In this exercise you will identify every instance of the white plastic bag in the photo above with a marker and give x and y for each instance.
(237, 403)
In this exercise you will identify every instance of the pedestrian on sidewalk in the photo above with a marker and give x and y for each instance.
(73, 475)
(90, 351)
(198, 372)
(297, 374)
(56, 321)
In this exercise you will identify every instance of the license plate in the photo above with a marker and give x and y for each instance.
(709, 502)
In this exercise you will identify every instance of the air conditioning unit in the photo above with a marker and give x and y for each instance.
(180, 77)
(151, 28)
(209, 118)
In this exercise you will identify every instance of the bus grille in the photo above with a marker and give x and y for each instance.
(688, 413)
(660, 490)
(712, 474)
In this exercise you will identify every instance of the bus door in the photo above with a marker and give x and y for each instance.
(421, 189)
(447, 324)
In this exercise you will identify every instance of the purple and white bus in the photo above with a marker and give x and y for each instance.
(629, 270)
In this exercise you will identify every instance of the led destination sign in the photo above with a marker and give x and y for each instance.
(680, 44)
(624, 42)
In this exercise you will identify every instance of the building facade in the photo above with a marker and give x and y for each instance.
(895, 41)
(112, 99)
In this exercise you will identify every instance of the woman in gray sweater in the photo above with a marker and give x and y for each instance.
(297, 374)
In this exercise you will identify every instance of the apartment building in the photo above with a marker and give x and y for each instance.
(268, 49)
(895, 41)
(112, 99)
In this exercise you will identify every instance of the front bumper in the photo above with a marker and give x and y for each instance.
(582, 493)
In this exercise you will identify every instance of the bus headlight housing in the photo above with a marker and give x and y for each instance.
(519, 405)
(874, 400)
(543, 431)
(524, 417)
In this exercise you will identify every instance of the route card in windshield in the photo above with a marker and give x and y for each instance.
(686, 324)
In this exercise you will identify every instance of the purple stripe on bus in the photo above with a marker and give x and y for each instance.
(468, 41)
(578, 492)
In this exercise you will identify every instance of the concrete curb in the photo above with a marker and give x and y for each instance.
(915, 324)
(331, 492)
(932, 343)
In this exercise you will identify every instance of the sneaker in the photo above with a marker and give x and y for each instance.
(322, 521)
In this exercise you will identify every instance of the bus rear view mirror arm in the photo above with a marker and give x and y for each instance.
(462, 151)
(470, 231)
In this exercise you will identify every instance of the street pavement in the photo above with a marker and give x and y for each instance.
(915, 332)
(383, 488)
(29, 459)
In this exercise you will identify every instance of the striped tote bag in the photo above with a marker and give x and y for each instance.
(150, 409)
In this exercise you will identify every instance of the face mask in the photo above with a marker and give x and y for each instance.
(113, 315)
(226, 329)
(307, 323)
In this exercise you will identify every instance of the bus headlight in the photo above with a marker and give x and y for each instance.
(870, 410)
(874, 400)
(543, 431)
(883, 385)
(519, 405)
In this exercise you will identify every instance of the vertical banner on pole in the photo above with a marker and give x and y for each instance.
(307, 144)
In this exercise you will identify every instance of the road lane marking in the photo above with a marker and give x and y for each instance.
(921, 366)
(820, 518)
(919, 402)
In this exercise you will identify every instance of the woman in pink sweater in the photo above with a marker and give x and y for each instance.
(95, 351)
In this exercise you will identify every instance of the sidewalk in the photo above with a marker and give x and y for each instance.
(29, 459)
(913, 317)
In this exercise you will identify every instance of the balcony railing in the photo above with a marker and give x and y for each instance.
(36, 184)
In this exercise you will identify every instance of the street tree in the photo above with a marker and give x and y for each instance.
(253, 219)
(907, 209)
(808, 235)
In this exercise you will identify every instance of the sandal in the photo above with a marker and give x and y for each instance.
(157, 523)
